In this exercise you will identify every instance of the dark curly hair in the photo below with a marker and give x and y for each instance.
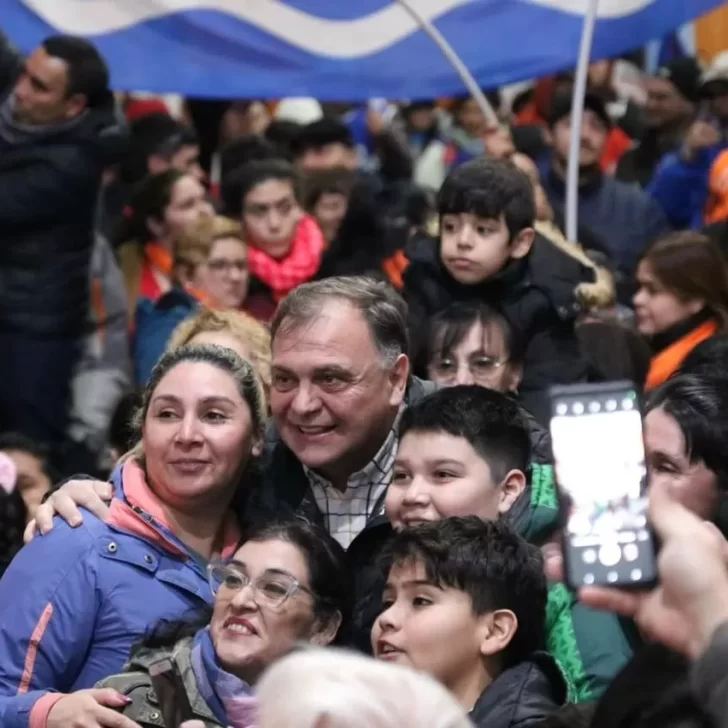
(488, 561)
(489, 188)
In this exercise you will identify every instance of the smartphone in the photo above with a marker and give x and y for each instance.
(599, 455)
(174, 704)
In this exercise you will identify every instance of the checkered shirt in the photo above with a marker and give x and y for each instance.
(346, 514)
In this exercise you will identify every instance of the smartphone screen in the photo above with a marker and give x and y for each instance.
(600, 467)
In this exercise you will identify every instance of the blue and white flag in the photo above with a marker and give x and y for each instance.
(337, 49)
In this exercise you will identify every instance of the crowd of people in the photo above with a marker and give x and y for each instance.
(275, 382)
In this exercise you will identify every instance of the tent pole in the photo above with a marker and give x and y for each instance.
(577, 114)
(455, 61)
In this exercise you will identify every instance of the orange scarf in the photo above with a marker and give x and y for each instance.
(394, 267)
(200, 296)
(157, 262)
(668, 361)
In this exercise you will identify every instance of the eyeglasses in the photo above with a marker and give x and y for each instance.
(481, 367)
(221, 265)
(272, 590)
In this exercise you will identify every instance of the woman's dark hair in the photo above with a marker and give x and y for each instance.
(329, 574)
(362, 242)
(447, 328)
(699, 405)
(614, 351)
(122, 433)
(149, 199)
(242, 151)
(236, 185)
(330, 181)
(328, 570)
(13, 517)
(691, 266)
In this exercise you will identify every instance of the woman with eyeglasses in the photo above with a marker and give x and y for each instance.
(73, 602)
(470, 342)
(287, 583)
(209, 271)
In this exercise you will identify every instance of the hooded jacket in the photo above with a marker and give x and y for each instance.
(74, 602)
(536, 294)
(49, 186)
(146, 705)
(522, 695)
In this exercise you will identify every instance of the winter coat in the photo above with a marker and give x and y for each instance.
(522, 695)
(136, 684)
(625, 217)
(536, 294)
(49, 187)
(74, 602)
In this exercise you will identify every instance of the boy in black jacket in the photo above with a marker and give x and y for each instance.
(465, 602)
(488, 250)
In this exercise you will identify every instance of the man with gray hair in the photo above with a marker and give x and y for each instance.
(340, 380)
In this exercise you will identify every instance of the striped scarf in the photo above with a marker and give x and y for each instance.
(229, 698)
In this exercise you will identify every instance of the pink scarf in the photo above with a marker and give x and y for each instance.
(299, 266)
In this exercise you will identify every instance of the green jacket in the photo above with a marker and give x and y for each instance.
(135, 683)
(591, 646)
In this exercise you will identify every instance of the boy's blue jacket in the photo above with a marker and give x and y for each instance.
(74, 602)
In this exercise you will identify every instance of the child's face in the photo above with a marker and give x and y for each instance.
(429, 628)
(481, 358)
(437, 475)
(474, 249)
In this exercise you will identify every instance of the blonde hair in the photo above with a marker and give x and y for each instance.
(338, 689)
(237, 324)
(191, 247)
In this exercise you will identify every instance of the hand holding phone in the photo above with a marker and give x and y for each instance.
(600, 468)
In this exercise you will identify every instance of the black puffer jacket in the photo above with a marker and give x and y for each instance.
(537, 295)
(48, 193)
(521, 696)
